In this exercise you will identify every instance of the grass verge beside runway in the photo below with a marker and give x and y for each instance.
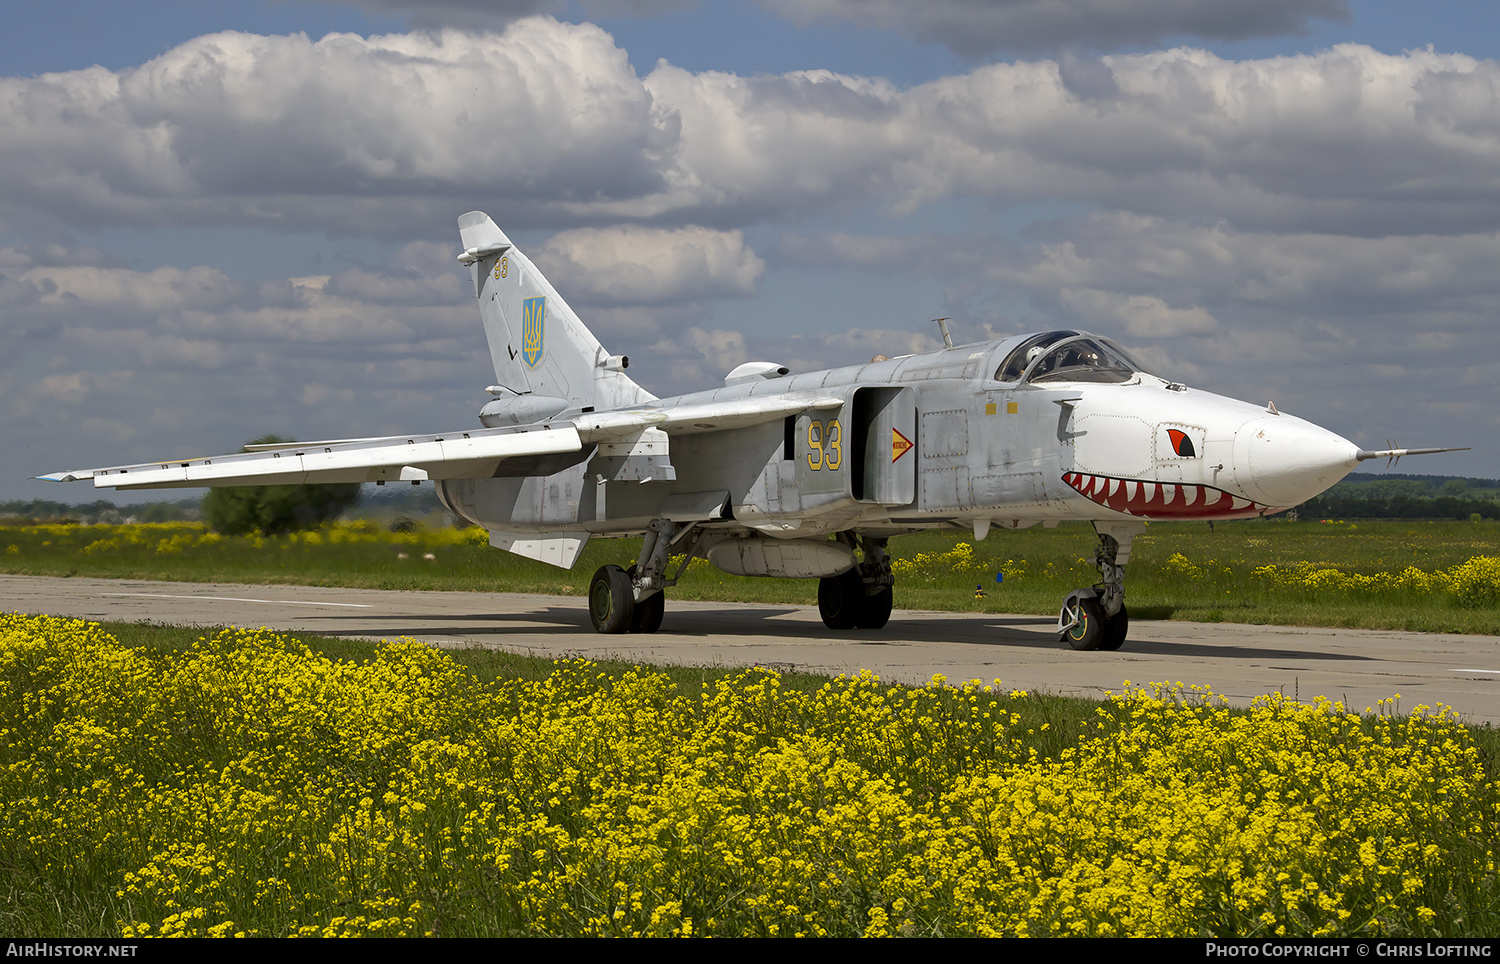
(159, 781)
(1421, 576)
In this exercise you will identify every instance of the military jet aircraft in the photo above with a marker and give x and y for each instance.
(809, 475)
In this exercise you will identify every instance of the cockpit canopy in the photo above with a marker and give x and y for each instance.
(1068, 356)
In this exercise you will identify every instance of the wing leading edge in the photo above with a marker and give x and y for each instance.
(416, 458)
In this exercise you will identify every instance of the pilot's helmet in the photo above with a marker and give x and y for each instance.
(1032, 352)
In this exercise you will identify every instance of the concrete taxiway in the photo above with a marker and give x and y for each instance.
(1358, 667)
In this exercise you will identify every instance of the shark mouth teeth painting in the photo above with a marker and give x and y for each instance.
(1163, 500)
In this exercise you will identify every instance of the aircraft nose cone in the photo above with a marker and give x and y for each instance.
(1290, 460)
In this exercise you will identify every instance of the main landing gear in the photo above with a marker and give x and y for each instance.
(860, 598)
(634, 600)
(613, 607)
(1096, 618)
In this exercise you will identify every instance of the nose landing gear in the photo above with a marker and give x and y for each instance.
(1096, 618)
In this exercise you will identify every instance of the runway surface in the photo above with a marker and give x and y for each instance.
(1359, 667)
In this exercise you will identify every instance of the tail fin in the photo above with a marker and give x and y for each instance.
(538, 345)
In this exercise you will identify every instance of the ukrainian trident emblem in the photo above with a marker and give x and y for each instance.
(533, 321)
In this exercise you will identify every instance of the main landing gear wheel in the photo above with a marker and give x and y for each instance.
(611, 600)
(1082, 621)
(841, 600)
(844, 603)
(1115, 629)
(862, 596)
(649, 611)
(877, 610)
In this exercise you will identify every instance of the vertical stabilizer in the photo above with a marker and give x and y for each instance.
(538, 345)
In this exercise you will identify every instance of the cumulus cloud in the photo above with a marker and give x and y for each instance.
(70, 387)
(1140, 316)
(697, 359)
(123, 293)
(547, 123)
(344, 133)
(973, 28)
(1348, 140)
(635, 265)
(420, 274)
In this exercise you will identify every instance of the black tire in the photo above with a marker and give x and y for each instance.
(1087, 619)
(876, 611)
(841, 599)
(1115, 629)
(611, 601)
(648, 613)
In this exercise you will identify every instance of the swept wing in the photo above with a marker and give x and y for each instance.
(473, 454)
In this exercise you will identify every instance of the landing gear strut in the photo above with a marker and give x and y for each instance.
(1096, 618)
(862, 596)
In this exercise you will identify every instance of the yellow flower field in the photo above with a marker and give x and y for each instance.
(249, 786)
(1473, 584)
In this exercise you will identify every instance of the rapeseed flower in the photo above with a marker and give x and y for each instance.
(249, 786)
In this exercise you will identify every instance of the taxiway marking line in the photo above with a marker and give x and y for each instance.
(278, 602)
(1474, 670)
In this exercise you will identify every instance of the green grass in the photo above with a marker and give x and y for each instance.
(1214, 581)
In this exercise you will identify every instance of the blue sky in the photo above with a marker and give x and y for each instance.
(212, 228)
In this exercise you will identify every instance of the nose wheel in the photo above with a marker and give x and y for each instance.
(1115, 629)
(1096, 618)
(1081, 622)
(1083, 625)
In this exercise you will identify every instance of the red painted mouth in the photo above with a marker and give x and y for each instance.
(1163, 500)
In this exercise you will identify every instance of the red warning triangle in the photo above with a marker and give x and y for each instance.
(900, 445)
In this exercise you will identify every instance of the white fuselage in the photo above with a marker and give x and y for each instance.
(939, 439)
